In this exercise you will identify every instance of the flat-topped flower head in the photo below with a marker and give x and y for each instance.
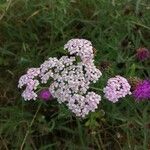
(73, 79)
(68, 79)
(117, 87)
(143, 54)
(80, 47)
(30, 82)
(142, 91)
(82, 105)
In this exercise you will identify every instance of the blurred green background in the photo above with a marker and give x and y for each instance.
(33, 30)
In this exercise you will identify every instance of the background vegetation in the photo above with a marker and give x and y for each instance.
(33, 30)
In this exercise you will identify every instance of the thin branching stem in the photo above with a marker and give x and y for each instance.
(27, 133)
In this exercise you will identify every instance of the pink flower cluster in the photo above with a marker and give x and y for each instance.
(116, 88)
(29, 80)
(69, 79)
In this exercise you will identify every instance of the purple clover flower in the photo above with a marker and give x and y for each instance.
(45, 95)
(142, 54)
(142, 91)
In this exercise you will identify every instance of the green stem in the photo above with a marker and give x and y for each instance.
(97, 89)
(28, 130)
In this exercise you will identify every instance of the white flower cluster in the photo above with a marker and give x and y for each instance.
(30, 83)
(80, 47)
(72, 80)
(116, 88)
(69, 79)
(52, 67)
(82, 105)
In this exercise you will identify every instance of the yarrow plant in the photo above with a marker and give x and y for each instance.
(82, 48)
(117, 87)
(31, 82)
(68, 79)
